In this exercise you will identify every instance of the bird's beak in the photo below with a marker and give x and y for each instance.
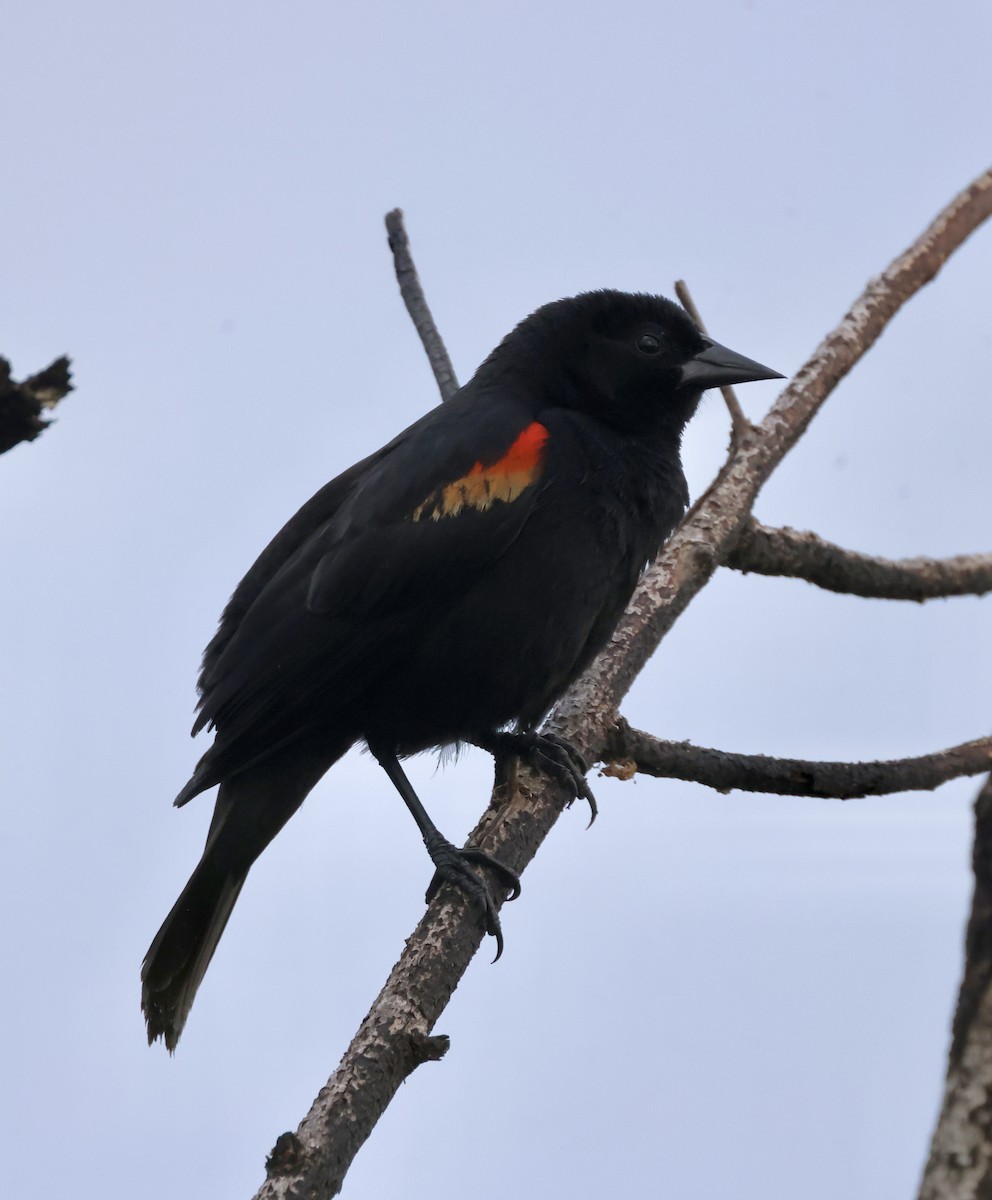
(716, 366)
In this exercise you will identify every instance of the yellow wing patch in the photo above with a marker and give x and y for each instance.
(502, 480)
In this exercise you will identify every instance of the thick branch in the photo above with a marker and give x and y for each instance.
(387, 1046)
(788, 552)
(960, 1162)
(23, 405)
(631, 751)
(416, 305)
(394, 1038)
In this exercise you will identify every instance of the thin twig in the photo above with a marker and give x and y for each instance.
(787, 552)
(739, 422)
(416, 305)
(389, 1043)
(632, 751)
(23, 405)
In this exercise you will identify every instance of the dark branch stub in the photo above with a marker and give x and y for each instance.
(285, 1156)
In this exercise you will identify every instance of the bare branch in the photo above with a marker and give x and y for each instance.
(416, 305)
(633, 752)
(960, 1162)
(23, 405)
(739, 422)
(387, 1046)
(394, 1038)
(714, 524)
(788, 552)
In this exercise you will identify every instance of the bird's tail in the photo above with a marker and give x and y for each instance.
(181, 952)
(251, 808)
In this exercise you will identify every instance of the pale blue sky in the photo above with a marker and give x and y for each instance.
(703, 995)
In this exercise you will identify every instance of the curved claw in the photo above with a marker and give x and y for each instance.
(552, 754)
(572, 763)
(453, 866)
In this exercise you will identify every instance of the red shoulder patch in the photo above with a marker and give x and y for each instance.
(487, 483)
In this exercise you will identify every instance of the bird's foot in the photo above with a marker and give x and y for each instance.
(551, 754)
(455, 866)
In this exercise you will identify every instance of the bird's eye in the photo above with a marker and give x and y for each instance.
(647, 343)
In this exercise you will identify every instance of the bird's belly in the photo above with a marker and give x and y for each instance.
(509, 646)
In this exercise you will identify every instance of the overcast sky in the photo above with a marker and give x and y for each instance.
(703, 996)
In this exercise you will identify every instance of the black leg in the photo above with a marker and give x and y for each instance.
(452, 865)
(549, 753)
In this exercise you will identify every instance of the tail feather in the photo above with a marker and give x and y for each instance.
(181, 952)
(251, 808)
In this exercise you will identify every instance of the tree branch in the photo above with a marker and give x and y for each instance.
(714, 524)
(738, 421)
(23, 405)
(960, 1162)
(416, 305)
(788, 552)
(389, 1042)
(632, 751)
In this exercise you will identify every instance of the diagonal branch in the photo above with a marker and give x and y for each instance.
(788, 552)
(23, 405)
(715, 522)
(395, 1035)
(416, 305)
(633, 752)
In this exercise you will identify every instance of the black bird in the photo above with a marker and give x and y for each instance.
(446, 589)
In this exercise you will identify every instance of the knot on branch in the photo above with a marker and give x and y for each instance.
(428, 1048)
(703, 554)
(285, 1156)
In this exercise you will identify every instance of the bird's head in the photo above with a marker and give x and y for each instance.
(635, 362)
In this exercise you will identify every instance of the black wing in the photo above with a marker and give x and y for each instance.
(317, 511)
(334, 596)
